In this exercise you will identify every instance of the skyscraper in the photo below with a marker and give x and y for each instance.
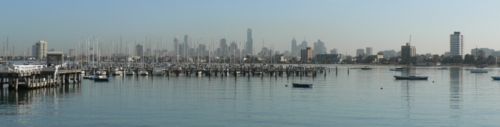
(369, 51)
(407, 52)
(186, 46)
(456, 44)
(294, 47)
(306, 55)
(319, 48)
(360, 52)
(249, 44)
(176, 46)
(40, 49)
(223, 48)
(139, 50)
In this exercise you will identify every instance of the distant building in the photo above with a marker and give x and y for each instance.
(369, 51)
(186, 46)
(39, 50)
(319, 47)
(223, 48)
(294, 48)
(483, 52)
(389, 54)
(176, 46)
(55, 58)
(360, 52)
(334, 51)
(249, 43)
(456, 44)
(233, 49)
(407, 52)
(71, 53)
(139, 50)
(327, 58)
(306, 55)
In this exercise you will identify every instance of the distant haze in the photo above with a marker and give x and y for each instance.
(342, 24)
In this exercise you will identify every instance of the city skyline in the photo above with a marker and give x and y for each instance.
(343, 25)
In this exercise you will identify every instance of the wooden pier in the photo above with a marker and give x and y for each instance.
(39, 78)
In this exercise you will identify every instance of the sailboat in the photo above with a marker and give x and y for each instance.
(410, 77)
(100, 76)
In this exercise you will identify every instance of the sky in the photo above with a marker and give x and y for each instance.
(342, 24)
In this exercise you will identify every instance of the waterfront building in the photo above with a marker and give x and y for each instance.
(249, 43)
(327, 58)
(407, 52)
(306, 55)
(456, 44)
(39, 49)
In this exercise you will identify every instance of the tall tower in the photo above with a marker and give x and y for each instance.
(456, 44)
(186, 46)
(249, 44)
(294, 47)
(176, 46)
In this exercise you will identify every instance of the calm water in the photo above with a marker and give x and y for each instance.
(451, 97)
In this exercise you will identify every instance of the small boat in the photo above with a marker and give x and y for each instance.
(101, 78)
(143, 73)
(117, 72)
(478, 70)
(397, 69)
(129, 73)
(411, 77)
(158, 72)
(495, 77)
(366, 68)
(302, 85)
(88, 77)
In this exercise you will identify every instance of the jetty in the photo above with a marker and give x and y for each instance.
(38, 78)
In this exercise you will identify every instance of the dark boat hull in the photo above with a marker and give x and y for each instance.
(411, 77)
(300, 85)
(495, 77)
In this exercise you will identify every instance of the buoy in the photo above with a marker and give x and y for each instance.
(381, 88)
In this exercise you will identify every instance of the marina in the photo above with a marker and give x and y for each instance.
(449, 93)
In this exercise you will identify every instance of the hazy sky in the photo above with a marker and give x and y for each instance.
(342, 24)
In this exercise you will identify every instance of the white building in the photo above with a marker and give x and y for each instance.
(40, 49)
(456, 44)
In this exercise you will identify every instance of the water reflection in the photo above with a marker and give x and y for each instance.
(456, 87)
(24, 101)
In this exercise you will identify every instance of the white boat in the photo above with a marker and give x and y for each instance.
(129, 72)
(158, 72)
(117, 72)
(101, 78)
(143, 73)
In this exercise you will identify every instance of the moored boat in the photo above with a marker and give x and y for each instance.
(143, 73)
(411, 77)
(101, 78)
(302, 85)
(495, 77)
(478, 70)
(366, 68)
